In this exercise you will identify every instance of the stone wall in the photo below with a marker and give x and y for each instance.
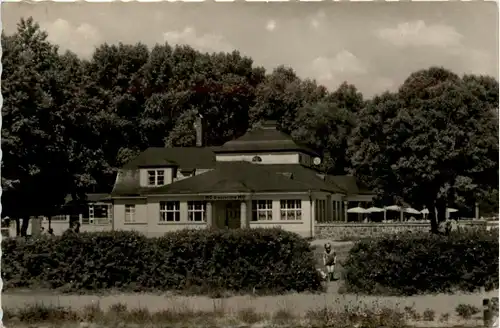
(340, 231)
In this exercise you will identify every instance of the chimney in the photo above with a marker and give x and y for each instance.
(198, 126)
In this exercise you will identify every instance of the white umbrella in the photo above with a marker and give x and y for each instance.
(424, 211)
(410, 210)
(395, 208)
(451, 210)
(375, 209)
(358, 210)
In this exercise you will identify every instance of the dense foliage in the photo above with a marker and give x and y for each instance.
(260, 260)
(413, 264)
(70, 123)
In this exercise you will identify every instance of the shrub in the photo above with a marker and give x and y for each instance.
(258, 260)
(429, 315)
(413, 264)
(466, 311)
(444, 317)
(357, 316)
(411, 313)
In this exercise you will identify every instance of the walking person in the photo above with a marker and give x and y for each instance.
(329, 260)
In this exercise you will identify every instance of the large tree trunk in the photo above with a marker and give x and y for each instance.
(24, 226)
(433, 219)
(18, 227)
(431, 206)
(441, 210)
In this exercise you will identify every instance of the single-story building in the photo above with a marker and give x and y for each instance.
(262, 179)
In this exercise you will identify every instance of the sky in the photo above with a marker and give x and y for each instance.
(373, 45)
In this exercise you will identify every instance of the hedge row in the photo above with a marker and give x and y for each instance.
(415, 264)
(237, 260)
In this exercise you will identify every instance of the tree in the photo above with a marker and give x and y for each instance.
(280, 96)
(34, 172)
(220, 88)
(326, 126)
(427, 139)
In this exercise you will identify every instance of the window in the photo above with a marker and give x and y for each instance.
(98, 214)
(262, 210)
(291, 209)
(129, 213)
(320, 210)
(170, 212)
(156, 177)
(196, 211)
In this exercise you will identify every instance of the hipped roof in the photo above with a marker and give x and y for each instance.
(266, 138)
(237, 177)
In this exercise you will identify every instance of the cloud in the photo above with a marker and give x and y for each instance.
(271, 25)
(205, 42)
(384, 83)
(81, 39)
(418, 33)
(478, 62)
(343, 63)
(317, 20)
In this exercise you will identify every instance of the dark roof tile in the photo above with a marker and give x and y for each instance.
(183, 157)
(267, 138)
(230, 177)
(244, 177)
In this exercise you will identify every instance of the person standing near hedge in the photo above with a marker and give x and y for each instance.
(329, 259)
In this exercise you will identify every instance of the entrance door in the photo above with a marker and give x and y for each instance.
(233, 215)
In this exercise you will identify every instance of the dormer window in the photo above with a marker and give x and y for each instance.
(187, 172)
(156, 177)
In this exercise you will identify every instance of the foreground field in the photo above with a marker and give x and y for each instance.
(226, 313)
(298, 304)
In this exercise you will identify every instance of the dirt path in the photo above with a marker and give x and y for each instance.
(298, 303)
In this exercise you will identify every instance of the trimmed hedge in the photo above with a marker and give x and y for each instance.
(414, 264)
(262, 260)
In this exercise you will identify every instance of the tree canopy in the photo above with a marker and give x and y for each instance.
(70, 123)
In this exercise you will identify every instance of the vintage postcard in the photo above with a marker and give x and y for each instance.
(327, 164)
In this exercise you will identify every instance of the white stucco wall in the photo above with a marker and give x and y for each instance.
(150, 212)
(267, 158)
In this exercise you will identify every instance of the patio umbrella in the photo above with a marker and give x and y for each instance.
(410, 210)
(396, 208)
(375, 209)
(358, 210)
(424, 211)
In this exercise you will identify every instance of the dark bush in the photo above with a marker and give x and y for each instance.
(415, 264)
(466, 311)
(259, 260)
